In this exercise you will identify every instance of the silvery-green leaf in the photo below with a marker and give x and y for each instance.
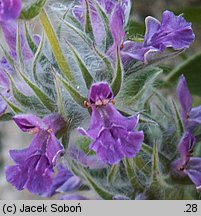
(56, 47)
(32, 8)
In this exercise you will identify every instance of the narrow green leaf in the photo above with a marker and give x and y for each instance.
(191, 69)
(149, 150)
(137, 84)
(14, 108)
(155, 163)
(59, 98)
(36, 57)
(106, 60)
(30, 102)
(78, 32)
(32, 10)
(65, 139)
(178, 120)
(157, 185)
(88, 23)
(56, 48)
(99, 190)
(74, 21)
(85, 72)
(30, 41)
(113, 173)
(46, 100)
(141, 164)
(106, 22)
(72, 91)
(118, 79)
(78, 170)
(131, 173)
(58, 32)
(19, 47)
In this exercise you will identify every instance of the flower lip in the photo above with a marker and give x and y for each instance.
(191, 116)
(100, 94)
(34, 165)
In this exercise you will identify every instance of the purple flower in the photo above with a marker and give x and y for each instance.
(172, 32)
(113, 134)
(64, 181)
(191, 117)
(34, 165)
(188, 165)
(10, 10)
(9, 13)
(108, 7)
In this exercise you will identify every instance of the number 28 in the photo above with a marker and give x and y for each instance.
(191, 208)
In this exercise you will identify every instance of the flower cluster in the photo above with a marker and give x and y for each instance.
(172, 32)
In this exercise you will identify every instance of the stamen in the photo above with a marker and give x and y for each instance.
(86, 104)
(50, 130)
(113, 101)
(99, 103)
(122, 46)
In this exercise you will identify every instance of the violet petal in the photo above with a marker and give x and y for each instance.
(185, 98)
(27, 122)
